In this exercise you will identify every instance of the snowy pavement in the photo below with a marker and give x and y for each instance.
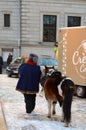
(16, 118)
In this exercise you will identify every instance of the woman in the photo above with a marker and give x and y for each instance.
(56, 50)
(28, 82)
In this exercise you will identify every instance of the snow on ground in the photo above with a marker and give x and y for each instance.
(16, 118)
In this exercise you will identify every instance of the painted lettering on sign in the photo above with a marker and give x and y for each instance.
(79, 59)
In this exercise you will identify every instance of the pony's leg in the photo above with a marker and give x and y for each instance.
(41, 93)
(53, 111)
(62, 115)
(60, 100)
(49, 108)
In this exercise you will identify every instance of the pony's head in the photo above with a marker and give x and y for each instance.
(48, 70)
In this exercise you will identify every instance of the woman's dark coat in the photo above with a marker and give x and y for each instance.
(29, 79)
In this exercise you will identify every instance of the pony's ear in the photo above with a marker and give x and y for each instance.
(46, 67)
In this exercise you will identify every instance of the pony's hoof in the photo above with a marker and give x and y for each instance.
(66, 125)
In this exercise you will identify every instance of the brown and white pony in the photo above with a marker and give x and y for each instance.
(61, 89)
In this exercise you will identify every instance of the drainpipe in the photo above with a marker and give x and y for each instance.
(19, 39)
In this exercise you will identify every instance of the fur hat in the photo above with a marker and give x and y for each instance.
(33, 57)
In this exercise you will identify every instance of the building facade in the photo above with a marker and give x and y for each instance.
(31, 26)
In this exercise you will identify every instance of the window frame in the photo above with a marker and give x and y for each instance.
(55, 26)
(73, 17)
(7, 20)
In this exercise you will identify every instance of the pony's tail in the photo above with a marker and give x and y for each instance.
(67, 104)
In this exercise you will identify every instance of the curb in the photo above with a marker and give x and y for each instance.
(2, 119)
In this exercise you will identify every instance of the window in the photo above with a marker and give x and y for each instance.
(74, 21)
(49, 28)
(6, 20)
